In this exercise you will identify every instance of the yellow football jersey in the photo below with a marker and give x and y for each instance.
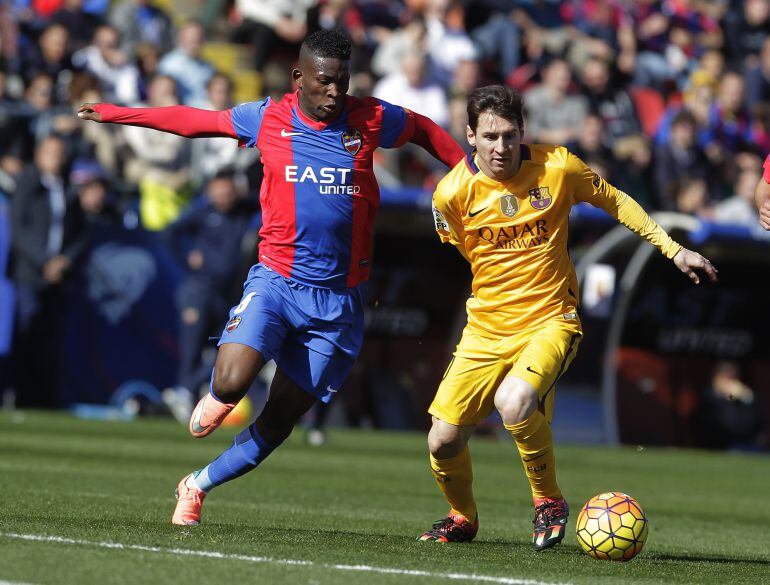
(514, 234)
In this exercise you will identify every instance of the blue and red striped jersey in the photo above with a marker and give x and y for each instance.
(319, 195)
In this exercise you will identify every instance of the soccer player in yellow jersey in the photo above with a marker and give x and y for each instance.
(506, 209)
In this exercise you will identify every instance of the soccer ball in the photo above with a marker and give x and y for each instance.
(612, 527)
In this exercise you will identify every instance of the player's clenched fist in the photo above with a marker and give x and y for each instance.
(90, 112)
(689, 262)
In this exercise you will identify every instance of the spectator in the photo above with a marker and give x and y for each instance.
(555, 116)
(158, 162)
(147, 59)
(697, 99)
(210, 156)
(390, 52)
(498, 39)
(89, 182)
(80, 24)
(692, 197)
(729, 128)
(185, 65)
(611, 103)
(727, 416)
(678, 160)
(274, 25)
(138, 21)
(758, 78)
(47, 239)
(466, 78)
(209, 239)
(44, 115)
(745, 32)
(631, 173)
(448, 43)
(50, 56)
(411, 88)
(590, 145)
(103, 58)
(740, 208)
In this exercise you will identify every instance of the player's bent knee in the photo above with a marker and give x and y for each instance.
(230, 383)
(515, 400)
(445, 440)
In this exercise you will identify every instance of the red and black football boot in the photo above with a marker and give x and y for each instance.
(454, 528)
(550, 522)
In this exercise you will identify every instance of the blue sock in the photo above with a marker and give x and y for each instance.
(247, 451)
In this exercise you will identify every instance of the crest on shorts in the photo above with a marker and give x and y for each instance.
(352, 140)
(540, 197)
(509, 205)
(233, 323)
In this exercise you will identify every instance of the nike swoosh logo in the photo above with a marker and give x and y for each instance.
(287, 134)
(475, 213)
(536, 455)
(534, 372)
(196, 421)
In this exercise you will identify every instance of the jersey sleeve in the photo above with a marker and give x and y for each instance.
(397, 125)
(446, 219)
(586, 186)
(247, 120)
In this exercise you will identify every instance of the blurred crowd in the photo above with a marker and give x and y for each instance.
(669, 99)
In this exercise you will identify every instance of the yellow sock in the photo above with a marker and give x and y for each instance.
(535, 442)
(454, 477)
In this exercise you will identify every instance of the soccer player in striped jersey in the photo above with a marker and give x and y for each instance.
(301, 304)
(506, 208)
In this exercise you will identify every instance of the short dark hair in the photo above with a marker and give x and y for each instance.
(501, 100)
(327, 44)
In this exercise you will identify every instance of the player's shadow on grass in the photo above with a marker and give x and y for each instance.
(706, 559)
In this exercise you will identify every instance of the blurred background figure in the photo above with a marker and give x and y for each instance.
(554, 114)
(119, 78)
(47, 240)
(158, 163)
(140, 21)
(412, 87)
(208, 240)
(274, 27)
(728, 417)
(186, 66)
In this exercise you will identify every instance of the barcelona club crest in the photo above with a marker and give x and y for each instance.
(509, 205)
(352, 141)
(540, 198)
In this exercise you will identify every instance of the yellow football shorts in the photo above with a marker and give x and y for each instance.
(539, 356)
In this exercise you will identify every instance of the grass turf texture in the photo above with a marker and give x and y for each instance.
(360, 500)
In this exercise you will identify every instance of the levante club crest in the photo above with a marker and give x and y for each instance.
(540, 197)
(352, 141)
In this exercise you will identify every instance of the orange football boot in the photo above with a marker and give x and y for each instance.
(208, 415)
(188, 505)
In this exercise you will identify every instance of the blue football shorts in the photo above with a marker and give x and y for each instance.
(313, 334)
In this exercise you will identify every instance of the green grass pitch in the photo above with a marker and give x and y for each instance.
(85, 502)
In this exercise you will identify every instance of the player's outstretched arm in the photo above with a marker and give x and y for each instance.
(181, 120)
(689, 262)
(437, 141)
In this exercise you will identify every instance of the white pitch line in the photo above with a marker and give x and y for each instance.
(270, 560)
